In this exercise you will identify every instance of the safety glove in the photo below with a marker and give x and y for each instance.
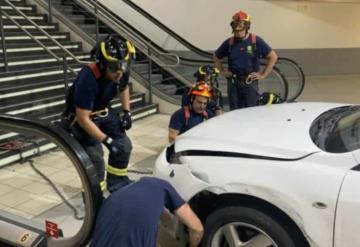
(113, 146)
(126, 120)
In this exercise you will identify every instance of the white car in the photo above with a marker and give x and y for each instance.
(280, 175)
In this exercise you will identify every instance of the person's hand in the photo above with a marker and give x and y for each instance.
(126, 120)
(256, 76)
(226, 73)
(113, 146)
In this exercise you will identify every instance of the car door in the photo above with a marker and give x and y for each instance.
(347, 221)
(49, 192)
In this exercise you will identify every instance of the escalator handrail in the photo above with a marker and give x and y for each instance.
(167, 30)
(300, 70)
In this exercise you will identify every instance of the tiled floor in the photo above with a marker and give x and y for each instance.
(23, 192)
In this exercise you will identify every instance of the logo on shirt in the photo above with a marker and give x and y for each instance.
(249, 49)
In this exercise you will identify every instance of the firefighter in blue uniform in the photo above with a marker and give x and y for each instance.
(243, 51)
(193, 113)
(129, 217)
(92, 119)
(209, 75)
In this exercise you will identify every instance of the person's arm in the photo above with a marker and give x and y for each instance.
(187, 216)
(218, 64)
(83, 119)
(173, 133)
(177, 121)
(272, 58)
(125, 98)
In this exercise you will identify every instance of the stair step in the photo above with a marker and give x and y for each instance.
(13, 1)
(33, 17)
(8, 28)
(26, 9)
(88, 28)
(15, 37)
(14, 50)
(79, 19)
(43, 63)
(39, 21)
(63, 8)
(141, 68)
(168, 89)
(34, 88)
(29, 76)
(25, 56)
(155, 78)
(13, 95)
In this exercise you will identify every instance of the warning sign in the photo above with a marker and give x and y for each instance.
(52, 229)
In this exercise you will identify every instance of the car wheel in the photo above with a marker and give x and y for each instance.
(245, 227)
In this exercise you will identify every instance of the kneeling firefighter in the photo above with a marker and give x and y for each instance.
(91, 118)
(192, 113)
(207, 75)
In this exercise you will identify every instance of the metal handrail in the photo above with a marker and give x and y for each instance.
(37, 41)
(3, 43)
(45, 33)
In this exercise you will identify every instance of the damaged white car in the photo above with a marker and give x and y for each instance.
(281, 175)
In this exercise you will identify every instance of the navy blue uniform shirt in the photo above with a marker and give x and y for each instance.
(178, 121)
(92, 94)
(242, 57)
(130, 216)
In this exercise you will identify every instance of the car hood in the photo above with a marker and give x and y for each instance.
(280, 131)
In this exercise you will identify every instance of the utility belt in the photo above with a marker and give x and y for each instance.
(71, 119)
(241, 79)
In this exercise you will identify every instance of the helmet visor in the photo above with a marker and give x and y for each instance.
(117, 66)
(239, 25)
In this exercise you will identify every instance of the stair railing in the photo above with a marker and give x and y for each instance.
(3, 43)
(63, 59)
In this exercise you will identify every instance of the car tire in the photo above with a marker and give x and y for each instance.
(245, 224)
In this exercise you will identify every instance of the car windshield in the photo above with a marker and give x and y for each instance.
(337, 130)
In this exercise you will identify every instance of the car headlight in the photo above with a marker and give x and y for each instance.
(171, 156)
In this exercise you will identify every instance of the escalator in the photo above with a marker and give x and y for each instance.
(155, 61)
(50, 199)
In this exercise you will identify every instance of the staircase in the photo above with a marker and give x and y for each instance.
(34, 85)
(86, 22)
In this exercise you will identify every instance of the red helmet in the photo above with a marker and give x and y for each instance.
(201, 89)
(239, 18)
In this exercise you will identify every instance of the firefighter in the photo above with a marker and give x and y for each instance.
(244, 51)
(209, 75)
(193, 113)
(92, 119)
(130, 215)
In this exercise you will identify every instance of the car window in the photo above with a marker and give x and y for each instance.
(337, 131)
